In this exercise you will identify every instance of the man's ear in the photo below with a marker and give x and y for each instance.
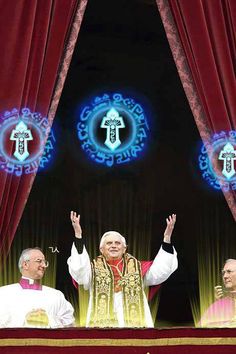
(25, 265)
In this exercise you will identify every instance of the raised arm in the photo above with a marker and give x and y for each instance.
(165, 262)
(79, 261)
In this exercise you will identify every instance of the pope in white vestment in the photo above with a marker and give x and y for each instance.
(162, 267)
(116, 280)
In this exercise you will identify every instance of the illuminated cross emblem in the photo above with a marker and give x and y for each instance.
(228, 155)
(21, 134)
(112, 122)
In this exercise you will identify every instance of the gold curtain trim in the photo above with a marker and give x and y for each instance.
(119, 342)
(188, 83)
(66, 59)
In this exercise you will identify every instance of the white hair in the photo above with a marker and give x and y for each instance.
(230, 260)
(25, 256)
(115, 233)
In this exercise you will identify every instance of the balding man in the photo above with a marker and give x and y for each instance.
(116, 279)
(28, 303)
(222, 313)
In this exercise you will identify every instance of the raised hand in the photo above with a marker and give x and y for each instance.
(170, 223)
(75, 220)
(218, 292)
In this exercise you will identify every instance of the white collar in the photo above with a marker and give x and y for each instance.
(31, 281)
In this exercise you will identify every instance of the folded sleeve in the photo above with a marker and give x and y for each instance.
(65, 313)
(163, 266)
(80, 267)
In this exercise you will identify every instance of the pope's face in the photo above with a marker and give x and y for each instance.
(113, 247)
(229, 275)
(35, 267)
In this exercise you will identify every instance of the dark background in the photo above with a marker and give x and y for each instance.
(122, 47)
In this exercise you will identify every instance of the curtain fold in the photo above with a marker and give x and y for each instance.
(37, 41)
(201, 35)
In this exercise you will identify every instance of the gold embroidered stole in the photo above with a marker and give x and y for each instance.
(102, 311)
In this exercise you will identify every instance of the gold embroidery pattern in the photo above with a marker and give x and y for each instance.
(102, 314)
(132, 284)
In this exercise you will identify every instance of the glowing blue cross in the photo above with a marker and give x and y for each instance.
(21, 134)
(112, 122)
(228, 155)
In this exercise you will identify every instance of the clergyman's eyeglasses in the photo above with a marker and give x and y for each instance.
(41, 262)
(228, 271)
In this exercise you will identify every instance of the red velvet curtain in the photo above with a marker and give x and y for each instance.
(202, 37)
(37, 42)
